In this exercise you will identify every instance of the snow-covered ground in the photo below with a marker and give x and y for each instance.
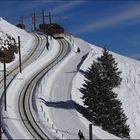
(56, 98)
(58, 89)
(128, 92)
(13, 31)
(15, 126)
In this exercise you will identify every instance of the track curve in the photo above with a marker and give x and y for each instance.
(25, 105)
(29, 58)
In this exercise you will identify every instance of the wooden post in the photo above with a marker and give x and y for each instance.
(90, 131)
(19, 54)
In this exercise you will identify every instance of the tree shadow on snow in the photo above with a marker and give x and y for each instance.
(78, 66)
(81, 62)
(58, 104)
(67, 105)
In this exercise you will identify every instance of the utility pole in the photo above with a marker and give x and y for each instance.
(2, 55)
(5, 82)
(34, 21)
(90, 131)
(4, 67)
(50, 20)
(19, 54)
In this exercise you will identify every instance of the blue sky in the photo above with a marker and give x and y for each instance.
(114, 23)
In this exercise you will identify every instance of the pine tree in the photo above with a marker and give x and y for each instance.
(101, 102)
(110, 69)
(9, 47)
(91, 85)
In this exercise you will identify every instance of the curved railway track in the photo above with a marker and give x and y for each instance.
(26, 61)
(26, 95)
(32, 55)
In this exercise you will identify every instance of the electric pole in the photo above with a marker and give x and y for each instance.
(5, 82)
(4, 68)
(19, 54)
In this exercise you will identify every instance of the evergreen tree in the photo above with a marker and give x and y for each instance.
(91, 85)
(100, 101)
(8, 46)
(110, 69)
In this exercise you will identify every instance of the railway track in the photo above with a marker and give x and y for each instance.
(32, 55)
(27, 60)
(26, 95)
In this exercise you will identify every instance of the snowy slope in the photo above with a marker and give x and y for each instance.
(128, 92)
(13, 31)
(61, 85)
(27, 45)
(54, 92)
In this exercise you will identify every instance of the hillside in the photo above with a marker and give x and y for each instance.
(14, 32)
(59, 87)
(128, 92)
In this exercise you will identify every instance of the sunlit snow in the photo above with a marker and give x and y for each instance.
(60, 86)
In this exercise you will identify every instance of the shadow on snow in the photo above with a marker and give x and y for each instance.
(69, 104)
